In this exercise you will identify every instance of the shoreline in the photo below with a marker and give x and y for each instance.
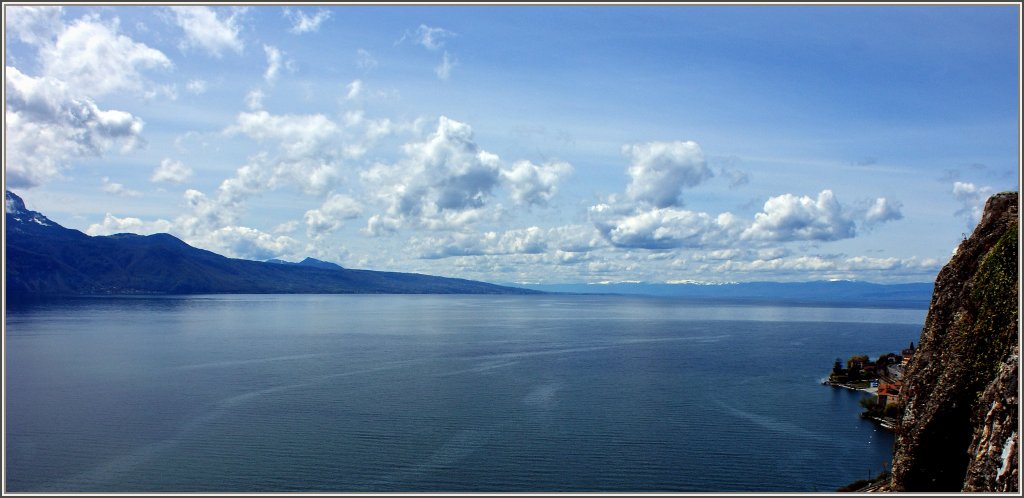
(888, 424)
(883, 422)
(869, 390)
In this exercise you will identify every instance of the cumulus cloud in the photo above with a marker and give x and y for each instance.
(972, 200)
(530, 240)
(665, 228)
(575, 238)
(444, 69)
(112, 224)
(254, 99)
(445, 180)
(299, 150)
(567, 245)
(305, 23)
(883, 210)
(297, 135)
(207, 30)
(249, 243)
(442, 182)
(171, 171)
(660, 170)
(204, 215)
(330, 216)
(47, 125)
(34, 25)
(89, 55)
(535, 184)
(788, 218)
(118, 189)
(212, 223)
(785, 218)
(374, 130)
(52, 118)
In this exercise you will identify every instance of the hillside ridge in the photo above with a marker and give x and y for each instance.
(45, 258)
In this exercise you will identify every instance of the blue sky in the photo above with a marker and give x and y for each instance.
(542, 144)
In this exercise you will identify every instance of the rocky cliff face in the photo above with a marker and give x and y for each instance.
(959, 429)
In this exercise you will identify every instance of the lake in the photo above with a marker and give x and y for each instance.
(357, 393)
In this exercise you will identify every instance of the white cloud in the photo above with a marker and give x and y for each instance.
(171, 171)
(205, 29)
(571, 258)
(533, 184)
(666, 228)
(306, 154)
(112, 224)
(442, 182)
(305, 23)
(660, 170)
(34, 25)
(273, 63)
(379, 128)
(373, 131)
(972, 199)
(92, 57)
(444, 69)
(788, 217)
(330, 216)
(250, 179)
(287, 227)
(296, 135)
(576, 238)
(354, 88)
(883, 210)
(47, 125)
(197, 86)
(254, 99)
(530, 240)
(248, 243)
(204, 215)
(119, 189)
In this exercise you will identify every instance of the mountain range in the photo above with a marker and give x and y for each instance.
(44, 258)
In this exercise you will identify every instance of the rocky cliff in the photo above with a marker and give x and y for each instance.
(959, 428)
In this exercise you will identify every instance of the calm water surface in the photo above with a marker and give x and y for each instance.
(437, 393)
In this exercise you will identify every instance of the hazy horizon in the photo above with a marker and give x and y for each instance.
(524, 144)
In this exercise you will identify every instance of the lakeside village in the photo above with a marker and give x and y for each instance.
(882, 378)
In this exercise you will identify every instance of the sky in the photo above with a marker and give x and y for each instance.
(523, 144)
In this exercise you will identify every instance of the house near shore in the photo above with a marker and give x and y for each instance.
(889, 394)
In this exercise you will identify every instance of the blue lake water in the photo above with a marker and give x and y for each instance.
(437, 393)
